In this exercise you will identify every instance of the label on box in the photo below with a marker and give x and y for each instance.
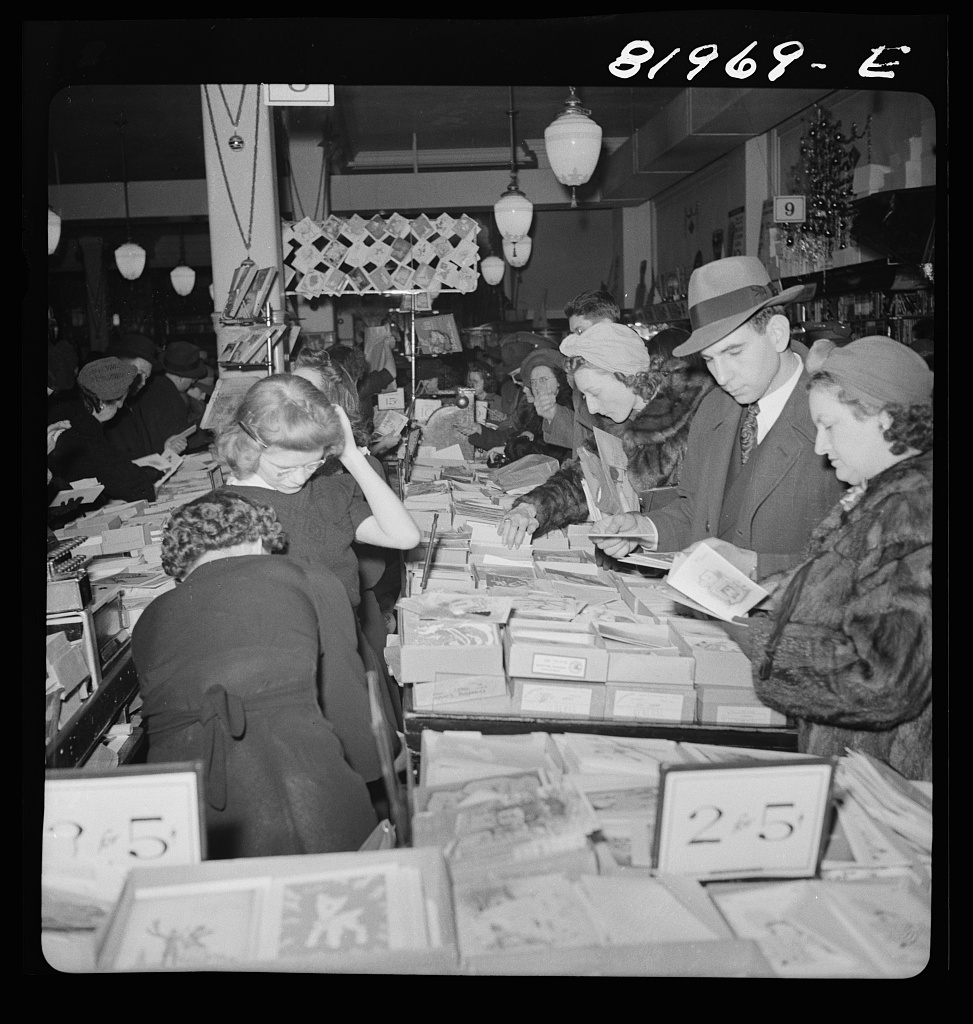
(553, 665)
(454, 689)
(547, 699)
(639, 704)
(743, 714)
(392, 399)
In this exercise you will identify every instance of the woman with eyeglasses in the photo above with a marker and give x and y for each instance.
(284, 432)
(546, 388)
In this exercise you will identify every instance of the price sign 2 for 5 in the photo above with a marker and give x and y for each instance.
(743, 821)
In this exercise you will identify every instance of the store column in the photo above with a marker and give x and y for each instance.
(241, 188)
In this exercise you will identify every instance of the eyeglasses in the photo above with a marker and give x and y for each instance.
(308, 467)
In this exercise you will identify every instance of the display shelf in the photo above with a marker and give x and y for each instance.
(82, 732)
(764, 738)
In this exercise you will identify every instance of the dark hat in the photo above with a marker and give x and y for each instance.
(724, 294)
(183, 359)
(137, 346)
(540, 357)
(515, 348)
(109, 378)
(881, 370)
(62, 362)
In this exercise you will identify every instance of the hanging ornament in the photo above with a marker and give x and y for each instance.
(235, 142)
(247, 236)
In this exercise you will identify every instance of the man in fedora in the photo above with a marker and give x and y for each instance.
(750, 478)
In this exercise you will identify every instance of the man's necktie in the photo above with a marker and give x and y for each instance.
(748, 431)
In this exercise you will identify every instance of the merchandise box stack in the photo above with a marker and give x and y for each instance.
(375, 912)
(425, 499)
(557, 669)
(649, 677)
(723, 676)
(454, 647)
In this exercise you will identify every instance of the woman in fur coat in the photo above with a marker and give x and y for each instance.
(847, 648)
(643, 395)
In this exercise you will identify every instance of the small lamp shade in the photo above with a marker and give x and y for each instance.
(492, 269)
(53, 231)
(573, 144)
(513, 212)
(130, 260)
(517, 251)
(183, 278)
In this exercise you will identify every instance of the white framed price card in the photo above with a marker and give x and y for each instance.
(760, 820)
(131, 816)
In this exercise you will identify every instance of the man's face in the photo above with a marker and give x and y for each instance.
(577, 324)
(746, 363)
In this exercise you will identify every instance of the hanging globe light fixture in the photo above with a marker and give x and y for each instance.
(513, 211)
(573, 143)
(129, 257)
(516, 251)
(183, 277)
(492, 269)
(53, 231)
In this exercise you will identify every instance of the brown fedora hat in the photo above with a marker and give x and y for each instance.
(724, 294)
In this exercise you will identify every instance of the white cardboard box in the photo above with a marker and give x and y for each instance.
(420, 662)
(532, 658)
(650, 702)
(555, 698)
(720, 661)
(728, 705)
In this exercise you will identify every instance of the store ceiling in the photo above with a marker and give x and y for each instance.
(164, 124)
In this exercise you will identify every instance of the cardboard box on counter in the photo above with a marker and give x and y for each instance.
(730, 705)
(720, 661)
(650, 702)
(543, 651)
(461, 693)
(556, 698)
(628, 664)
(456, 646)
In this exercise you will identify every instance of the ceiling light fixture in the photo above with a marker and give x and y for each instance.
(573, 144)
(129, 258)
(513, 210)
(183, 277)
(516, 251)
(53, 231)
(492, 268)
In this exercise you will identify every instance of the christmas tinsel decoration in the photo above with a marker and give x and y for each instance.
(824, 175)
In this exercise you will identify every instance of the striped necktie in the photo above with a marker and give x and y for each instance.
(748, 431)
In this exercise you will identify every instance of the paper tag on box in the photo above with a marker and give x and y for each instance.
(743, 714)
(638, 704)
(392, 399)
(554, 665)
(546, 699)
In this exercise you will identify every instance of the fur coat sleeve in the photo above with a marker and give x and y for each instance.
(854, 660)
(654, 440)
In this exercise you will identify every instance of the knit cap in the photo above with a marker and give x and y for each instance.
(612, 347)
(108, 378)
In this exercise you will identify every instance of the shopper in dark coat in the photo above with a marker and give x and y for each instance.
(847, 648)
(82, 451)
(250, 666)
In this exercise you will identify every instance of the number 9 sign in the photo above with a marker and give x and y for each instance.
(761, 820)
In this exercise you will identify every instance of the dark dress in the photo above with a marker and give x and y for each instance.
(320, 521)
(83, 451)
(235, 667)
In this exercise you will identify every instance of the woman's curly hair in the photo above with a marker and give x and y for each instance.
(332, 380)
(911, 426)
(213, 522)
(645, 384)
(282, 411)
